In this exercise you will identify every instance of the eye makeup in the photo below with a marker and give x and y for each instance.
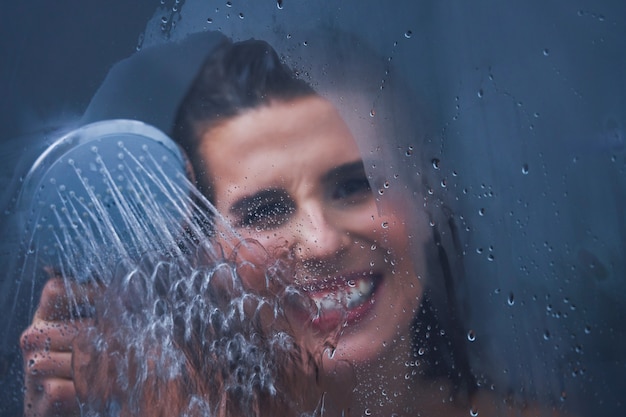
(265, 209)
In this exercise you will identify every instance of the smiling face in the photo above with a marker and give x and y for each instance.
(290, 175)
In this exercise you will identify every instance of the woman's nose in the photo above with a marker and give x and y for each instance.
(317, 235)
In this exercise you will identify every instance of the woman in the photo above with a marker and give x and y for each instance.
(282, 165)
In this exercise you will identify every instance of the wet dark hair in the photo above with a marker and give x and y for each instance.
(236, 77)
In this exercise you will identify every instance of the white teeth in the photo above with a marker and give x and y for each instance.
(366, 286)
(347, 297)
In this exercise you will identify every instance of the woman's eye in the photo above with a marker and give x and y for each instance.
(267, 215)
(352, 190)
(265, 209)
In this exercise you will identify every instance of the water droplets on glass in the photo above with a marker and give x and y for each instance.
(511, 299)
(471, 336)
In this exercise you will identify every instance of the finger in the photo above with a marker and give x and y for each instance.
(43, 365)
(51, 398)
(63, 299)
(51, 336)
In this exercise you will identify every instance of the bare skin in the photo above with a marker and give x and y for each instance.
(47, 350)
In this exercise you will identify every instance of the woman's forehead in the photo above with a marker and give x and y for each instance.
(299, 123)
(280, 144)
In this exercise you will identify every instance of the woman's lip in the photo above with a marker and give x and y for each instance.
(328, 319)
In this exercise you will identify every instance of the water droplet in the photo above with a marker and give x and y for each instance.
(209, 20)
(473, 412)
(372, 113)
(368, 412)
(471, 335)
(546, 335)
(490, 258)
(511, 299)
(409, 151)
(241, 15)
(408, 34)
(435, 163)
(373, 247)
(481, 211)
(384, 225)
(62, 187)
(229, 4)
(279, 4)
(480, 93)
(546, 52)
(525, 169)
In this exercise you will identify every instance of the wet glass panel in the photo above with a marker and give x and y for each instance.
(440, 210)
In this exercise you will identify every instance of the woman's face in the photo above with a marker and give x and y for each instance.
(290, 176)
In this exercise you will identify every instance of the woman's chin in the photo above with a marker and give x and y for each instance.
(376, 328)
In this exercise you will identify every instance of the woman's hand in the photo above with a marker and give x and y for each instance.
(46, 348)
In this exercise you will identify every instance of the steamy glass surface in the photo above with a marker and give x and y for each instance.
(505, 123)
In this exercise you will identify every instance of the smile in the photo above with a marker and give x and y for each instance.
(346, 298)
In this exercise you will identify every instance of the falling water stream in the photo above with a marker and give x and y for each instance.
(180, 323)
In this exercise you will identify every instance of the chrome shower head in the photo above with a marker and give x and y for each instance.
(105, 191)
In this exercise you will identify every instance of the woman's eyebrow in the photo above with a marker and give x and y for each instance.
(350, 168)
(244, 203)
